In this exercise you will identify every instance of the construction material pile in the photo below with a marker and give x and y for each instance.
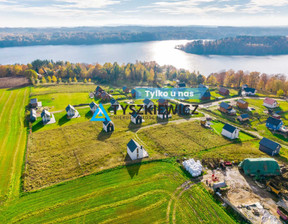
(194, 168)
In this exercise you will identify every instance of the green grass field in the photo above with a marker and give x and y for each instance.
(13, 136)
(142, 194)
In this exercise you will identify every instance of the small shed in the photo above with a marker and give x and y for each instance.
(260, 167)
(136, 151)
(93, 107)
(268, 146)
(148, 103)
(108, 126)
(243, 117)
(136, 118)
(274, 124)
(242, 104)
(270, 103)
(223, 91)
(230, 131)
(33, 116)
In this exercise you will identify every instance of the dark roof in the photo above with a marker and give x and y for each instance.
(114, 102)
(229, 128)
(207, 94)
(98, 88)
(161, 100)
(34, 100)
(132, 145)
(244, 116)
(133, 91)
(45, 112)
(252, 90)
(92, 104)
(222, 89)
(201, 86)
(224, 105)
(33, 112)
(134, 114)
(124, 87)
(181, 84)
(69, 107)
(269, 144)
(146, 101)
(106, 122)
(242, 101)
(274, 121)
(162, 110)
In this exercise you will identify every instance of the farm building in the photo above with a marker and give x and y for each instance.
(183, 109)
(243, 117)
(93, 107)
(148, 103)
(136, 151)
(260, 166)
(242, 104)
(181, 85)
(47, 117)
(230, 131)
(226, 108)
(114, 103)
(163, 113)
(249, 91)
(34, 103)
(136, 118)
(33, 116)
(125, 89)
(223, 91)
(98, 89)
(269, 147)
(108, 126)
(206, 95)
(162, 102)
(133, 93)
(270, 103)
(274, 124)
(71, 112)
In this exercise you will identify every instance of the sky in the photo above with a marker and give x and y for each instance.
(71, 13)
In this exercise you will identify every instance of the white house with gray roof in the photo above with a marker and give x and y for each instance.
(108, 126)
(72, 112)
(93, 107)
(230, 131)
(136, 118)
(47, 117)
(136, 151)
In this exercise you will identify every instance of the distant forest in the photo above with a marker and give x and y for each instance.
(150, 73)
(10, 37)
(240, 45)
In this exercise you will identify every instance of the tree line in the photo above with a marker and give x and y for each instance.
(46, 71)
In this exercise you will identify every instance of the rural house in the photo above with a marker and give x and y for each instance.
(226, 108)
(274, 124)
(230, 131)
(183, 109)
(135, 151)
(133, 93)
(98, 89)
(162, 102)
(136, 118)
(47, 117)
(93, 107)
(114, 103)
(260, 166)
(148, 103)
(105, 96)
(34, 103)
(108, 126)
(249, 91)
(33, 116)
(181, 85)
(269, 147)
(163, 113)
(125, 89)
(244, 86)
(71, 112)
(223, 91)
(206, 95)
(243, 117)
(242, 104)
(270, 103)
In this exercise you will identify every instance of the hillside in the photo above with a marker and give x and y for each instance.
(241, 45)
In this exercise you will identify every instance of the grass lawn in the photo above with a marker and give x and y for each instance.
(13, 136)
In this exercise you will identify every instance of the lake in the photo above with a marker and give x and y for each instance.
(163, 52)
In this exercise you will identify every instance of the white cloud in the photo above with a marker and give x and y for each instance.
(85, 4)
(272, 3)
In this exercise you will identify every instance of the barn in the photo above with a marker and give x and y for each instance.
(260, 167)
(269, 147)
(135, 151)
(136, 118)
(230, 131)
(108, 126)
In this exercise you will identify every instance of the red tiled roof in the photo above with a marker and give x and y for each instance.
(269, 101)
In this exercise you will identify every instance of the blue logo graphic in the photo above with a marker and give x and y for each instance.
(100, 114)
